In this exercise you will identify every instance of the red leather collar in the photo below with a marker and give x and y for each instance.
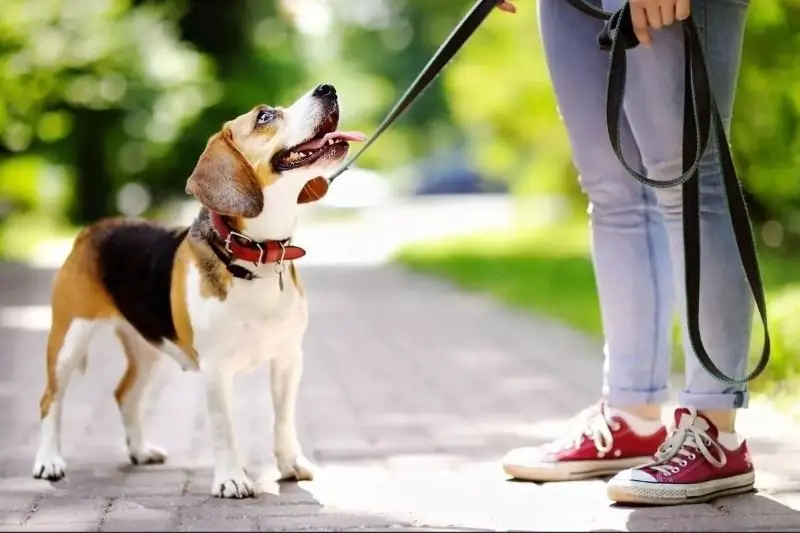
(244, 248)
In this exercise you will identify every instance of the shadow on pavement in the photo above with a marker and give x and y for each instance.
(748, 512)
(96, 500)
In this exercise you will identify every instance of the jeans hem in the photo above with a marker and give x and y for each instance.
(718, 402)
(628, 398)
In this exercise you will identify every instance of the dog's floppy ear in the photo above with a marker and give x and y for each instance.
(314, 190)
(224, 181)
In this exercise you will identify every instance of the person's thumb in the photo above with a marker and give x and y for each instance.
(508, 7)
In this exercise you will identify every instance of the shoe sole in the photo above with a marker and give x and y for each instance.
(573, 470)
(644, 493)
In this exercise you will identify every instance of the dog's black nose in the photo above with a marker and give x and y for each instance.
(325, 90)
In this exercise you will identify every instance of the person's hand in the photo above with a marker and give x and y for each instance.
(507, 6)
(655, 14)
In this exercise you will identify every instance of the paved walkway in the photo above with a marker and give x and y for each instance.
(411, 394)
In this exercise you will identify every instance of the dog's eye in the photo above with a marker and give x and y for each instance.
(264, 116)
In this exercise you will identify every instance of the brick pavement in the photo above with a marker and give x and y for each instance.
(412, 392)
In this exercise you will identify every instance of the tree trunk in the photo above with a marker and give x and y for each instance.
(93, 180)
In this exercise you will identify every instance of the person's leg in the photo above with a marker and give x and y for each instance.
(629, 242)
(631, 263)
(654, 107)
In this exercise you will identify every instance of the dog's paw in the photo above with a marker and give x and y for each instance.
(233, 487)
(147, 454)
(295, 468)
(51, 468)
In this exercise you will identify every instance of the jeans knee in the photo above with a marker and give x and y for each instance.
(712, 190)
(618, 200)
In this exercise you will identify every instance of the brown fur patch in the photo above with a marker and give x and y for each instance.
(131, 371)
(177, 298)
(77, 293)
(266, 176)
(236, 224)
(215, 278)
(224, 180)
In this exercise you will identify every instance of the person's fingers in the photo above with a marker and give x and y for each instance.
(639, 19)
(653, 14)
(506, 6)
(667, 12)
(683, 9)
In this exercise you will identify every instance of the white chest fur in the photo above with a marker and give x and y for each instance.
(254, 323)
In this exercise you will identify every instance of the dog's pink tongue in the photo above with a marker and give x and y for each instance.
(347, 136)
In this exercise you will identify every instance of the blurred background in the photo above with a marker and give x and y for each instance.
(105, 106)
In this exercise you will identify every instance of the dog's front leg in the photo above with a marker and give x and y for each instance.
(285, 373)
(230, 479)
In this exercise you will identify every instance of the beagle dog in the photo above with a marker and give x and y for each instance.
(220, 296)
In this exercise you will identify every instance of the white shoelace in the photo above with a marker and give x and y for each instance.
(683, 443)
(592, 423)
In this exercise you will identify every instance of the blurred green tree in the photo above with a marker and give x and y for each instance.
(99, 86)
(251, 43)
(382, 45)
(766, 121)
(122, 91)
(99, 94)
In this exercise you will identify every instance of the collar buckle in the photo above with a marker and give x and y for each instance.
(251, 242)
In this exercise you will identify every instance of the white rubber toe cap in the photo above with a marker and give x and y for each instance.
(633, 475)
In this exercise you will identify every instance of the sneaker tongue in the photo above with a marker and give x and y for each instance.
(685, 418)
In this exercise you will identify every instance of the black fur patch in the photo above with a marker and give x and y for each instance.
(135, 262)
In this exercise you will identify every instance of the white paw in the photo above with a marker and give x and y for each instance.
(295, 467)
(147, 454)
(238, 486)
(50, 467)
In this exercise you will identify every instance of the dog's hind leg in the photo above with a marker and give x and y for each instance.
(285, 373)
(67, 347)
(142, 361)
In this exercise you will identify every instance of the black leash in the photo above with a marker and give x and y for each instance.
(462, 32)
(699, 113)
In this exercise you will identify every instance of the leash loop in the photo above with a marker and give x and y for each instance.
(700, 115)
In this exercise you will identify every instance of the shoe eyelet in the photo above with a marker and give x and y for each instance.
(615, 426)
(675, 469)
(667, 474)
(682, 462)
(692, 457)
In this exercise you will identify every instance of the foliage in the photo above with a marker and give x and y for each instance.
(99, 95)
(103, 87)
(766, 125)
(501, 95)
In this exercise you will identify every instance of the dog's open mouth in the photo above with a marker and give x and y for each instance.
(332, 144)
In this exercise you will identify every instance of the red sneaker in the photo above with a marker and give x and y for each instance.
(601, 445)
(691, 466)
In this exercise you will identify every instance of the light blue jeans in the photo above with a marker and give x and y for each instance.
(637, 241)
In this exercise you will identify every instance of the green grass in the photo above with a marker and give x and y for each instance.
(547, 270)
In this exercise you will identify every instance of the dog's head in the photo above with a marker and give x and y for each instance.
(285, 149)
